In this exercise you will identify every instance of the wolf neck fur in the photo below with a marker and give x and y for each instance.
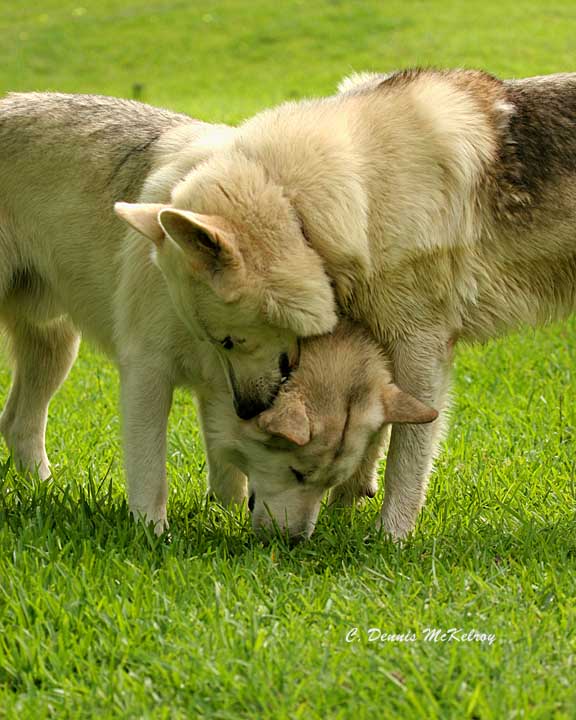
(407, 175)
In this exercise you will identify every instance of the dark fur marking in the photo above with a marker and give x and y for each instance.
(23, 280)
(401, 78)
(542, 135)
(466, 78)
(142, 147)
(340, 448)
(225, 193)
(300, 476)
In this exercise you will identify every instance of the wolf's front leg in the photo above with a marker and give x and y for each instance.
(226, 483)
(421, 368)
(146, 394)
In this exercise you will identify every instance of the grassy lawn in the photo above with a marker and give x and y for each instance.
(98, 618)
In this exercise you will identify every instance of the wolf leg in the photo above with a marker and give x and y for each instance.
(364, 482)
(226, 483)
(146, 398)
(42, 357)
(421, 368)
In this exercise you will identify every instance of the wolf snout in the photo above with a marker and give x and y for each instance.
(267, 527)
(248, 408)
(294, 540)
(267, 532)
(256, 395)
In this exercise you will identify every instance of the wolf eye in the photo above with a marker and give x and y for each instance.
(229, 343)
(300, 477)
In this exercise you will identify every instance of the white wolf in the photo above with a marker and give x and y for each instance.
(437, 205)
(159, 308)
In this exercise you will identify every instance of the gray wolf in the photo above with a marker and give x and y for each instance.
(439, 206)
(156, 306)
(70, 265)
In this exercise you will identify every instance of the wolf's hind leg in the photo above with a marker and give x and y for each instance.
(42, 358)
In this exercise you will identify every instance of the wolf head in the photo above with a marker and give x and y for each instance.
(318, 430)
(240, 273)
(256, 246)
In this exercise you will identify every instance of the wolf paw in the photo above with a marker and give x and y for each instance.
(348, 495)
(237, 496)
(397, 526)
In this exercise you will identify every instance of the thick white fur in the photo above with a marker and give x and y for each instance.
(400, 186)
(393, 196)
(69, 265)
(152, 301)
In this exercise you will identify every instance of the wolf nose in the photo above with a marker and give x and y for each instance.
(296, 539)
(247, 409)
(251, 501)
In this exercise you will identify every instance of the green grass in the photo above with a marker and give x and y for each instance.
(98, 618)
(225, 59)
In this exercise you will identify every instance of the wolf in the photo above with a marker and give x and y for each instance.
(323, 433)
(152, 301)
(70, 265)
(440, 206)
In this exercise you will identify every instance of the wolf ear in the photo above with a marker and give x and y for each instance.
(286, 419)
(203, 238)
(399, 407)
(143, 217)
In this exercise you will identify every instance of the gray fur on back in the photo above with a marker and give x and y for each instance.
(111, 138)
